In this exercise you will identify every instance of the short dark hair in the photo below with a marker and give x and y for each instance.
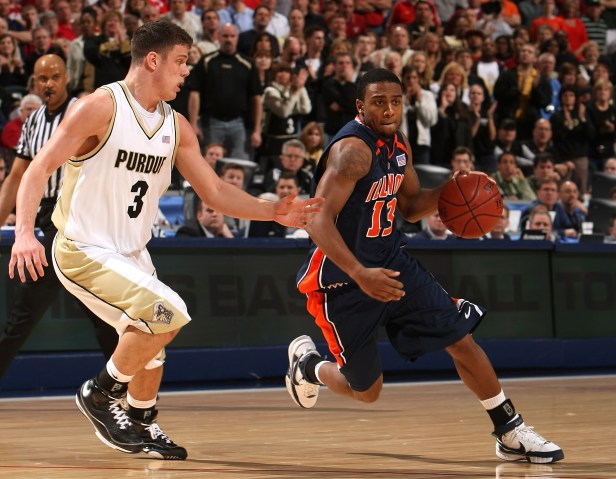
(232, 166)
(208, 10)
(463, 150)
(376, 75)
(160, 37)
(288, 175)
(507, 124)
(262, 7)
(504, 154)
(312, 29)
(544, 157)
(568, 89)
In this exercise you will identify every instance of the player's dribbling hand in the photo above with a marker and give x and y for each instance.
(380, 284)
(291, 211)
(27, 254)
(464, 171)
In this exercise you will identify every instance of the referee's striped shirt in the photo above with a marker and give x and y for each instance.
(35, 132)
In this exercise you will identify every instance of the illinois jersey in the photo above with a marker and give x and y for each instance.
(366, 222)
(122, 179)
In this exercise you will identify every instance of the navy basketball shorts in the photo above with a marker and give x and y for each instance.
(426, 319)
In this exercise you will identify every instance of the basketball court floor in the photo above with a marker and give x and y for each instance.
(416, 430)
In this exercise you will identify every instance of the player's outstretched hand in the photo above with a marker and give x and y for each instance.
(380, 284)
(464, 171)
(27, 254)
(291, 211)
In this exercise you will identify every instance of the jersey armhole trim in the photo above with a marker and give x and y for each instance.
(176, 125)
(97, 148)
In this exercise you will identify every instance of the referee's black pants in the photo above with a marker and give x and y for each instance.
(32, 298)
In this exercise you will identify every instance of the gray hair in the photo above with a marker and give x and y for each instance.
(30, 98)
(294, 143)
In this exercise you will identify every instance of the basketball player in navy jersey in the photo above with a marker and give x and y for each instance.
(358, 276)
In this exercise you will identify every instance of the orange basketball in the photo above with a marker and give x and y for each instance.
(470, 205)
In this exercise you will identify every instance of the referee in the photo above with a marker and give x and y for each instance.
(32, 298)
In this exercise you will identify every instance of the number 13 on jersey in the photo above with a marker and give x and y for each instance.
(379, 227)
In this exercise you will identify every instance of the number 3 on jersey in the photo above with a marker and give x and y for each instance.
(141, 188)
(377, 229)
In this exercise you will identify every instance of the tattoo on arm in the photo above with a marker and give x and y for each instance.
(351, 160)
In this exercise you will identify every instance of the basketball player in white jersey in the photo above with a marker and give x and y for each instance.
(121, 143)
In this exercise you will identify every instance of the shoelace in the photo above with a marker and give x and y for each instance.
(527, 433)
(156, 432)
(119, 414)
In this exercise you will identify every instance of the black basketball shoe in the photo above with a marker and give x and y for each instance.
(110, 421)
(157, 444)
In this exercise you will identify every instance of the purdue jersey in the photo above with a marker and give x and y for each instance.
(366, 222)
(110, 195)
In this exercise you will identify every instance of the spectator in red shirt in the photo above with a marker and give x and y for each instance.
(65, 21)
(12, 130)
(574, 27)
(355, 23)
(548, 18)
(372, 11)
(402, 13)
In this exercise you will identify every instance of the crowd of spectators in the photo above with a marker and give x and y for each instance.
(524, 86)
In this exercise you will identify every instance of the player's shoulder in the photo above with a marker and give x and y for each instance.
(91, 110)
(99, 98)
(350, 156)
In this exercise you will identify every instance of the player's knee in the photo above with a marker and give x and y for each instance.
(368, 396)
(371, 394)
(168, 336)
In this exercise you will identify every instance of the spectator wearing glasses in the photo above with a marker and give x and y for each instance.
(291, 159)
(540, 219)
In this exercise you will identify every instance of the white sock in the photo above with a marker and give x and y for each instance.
(496, 401)
(316, 370)
(117, 375)
(136, 403)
